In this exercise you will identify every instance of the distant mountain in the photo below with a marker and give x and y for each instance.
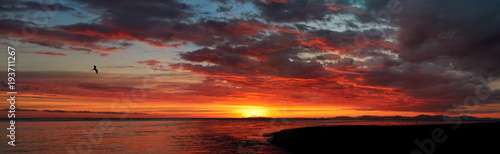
(421, 117)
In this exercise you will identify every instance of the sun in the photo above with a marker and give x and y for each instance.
(253, 111)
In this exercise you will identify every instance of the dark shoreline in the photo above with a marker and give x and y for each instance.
(440, 138)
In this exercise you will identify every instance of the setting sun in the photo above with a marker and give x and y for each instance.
(254, 111)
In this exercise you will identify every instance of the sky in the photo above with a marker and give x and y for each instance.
(246, 58)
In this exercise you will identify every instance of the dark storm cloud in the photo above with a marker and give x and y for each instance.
(120, 20)
(122, 9)
(12, 6)
(444, 47)
(213, 56)
(292, 11)
(157, 23)
(467, 32)
(45, 36)
(275, 64)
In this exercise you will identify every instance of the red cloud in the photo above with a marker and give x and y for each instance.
(150, 62)
(51, 53)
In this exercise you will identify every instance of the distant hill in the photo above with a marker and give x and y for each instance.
(421, 117)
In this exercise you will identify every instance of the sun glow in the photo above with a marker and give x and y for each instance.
(254, 111)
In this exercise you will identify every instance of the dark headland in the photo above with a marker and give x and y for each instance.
(415, 139)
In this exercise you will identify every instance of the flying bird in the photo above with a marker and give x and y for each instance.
(96, 72)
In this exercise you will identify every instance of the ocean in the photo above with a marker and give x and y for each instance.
(161, 136)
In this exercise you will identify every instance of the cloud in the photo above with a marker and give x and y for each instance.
(96, 36)
(63, 111)
(292, 11)
(50, 37)
(119, 67)
(21, 6)
(150, 62)
(4, 84)
(50, 53)
(18, 109)
(224, 8)
(439, 55)
(426, 70)
(423, 59)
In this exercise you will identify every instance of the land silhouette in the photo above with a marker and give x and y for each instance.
(414, 139)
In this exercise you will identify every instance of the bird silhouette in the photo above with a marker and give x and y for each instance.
(96, 72)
